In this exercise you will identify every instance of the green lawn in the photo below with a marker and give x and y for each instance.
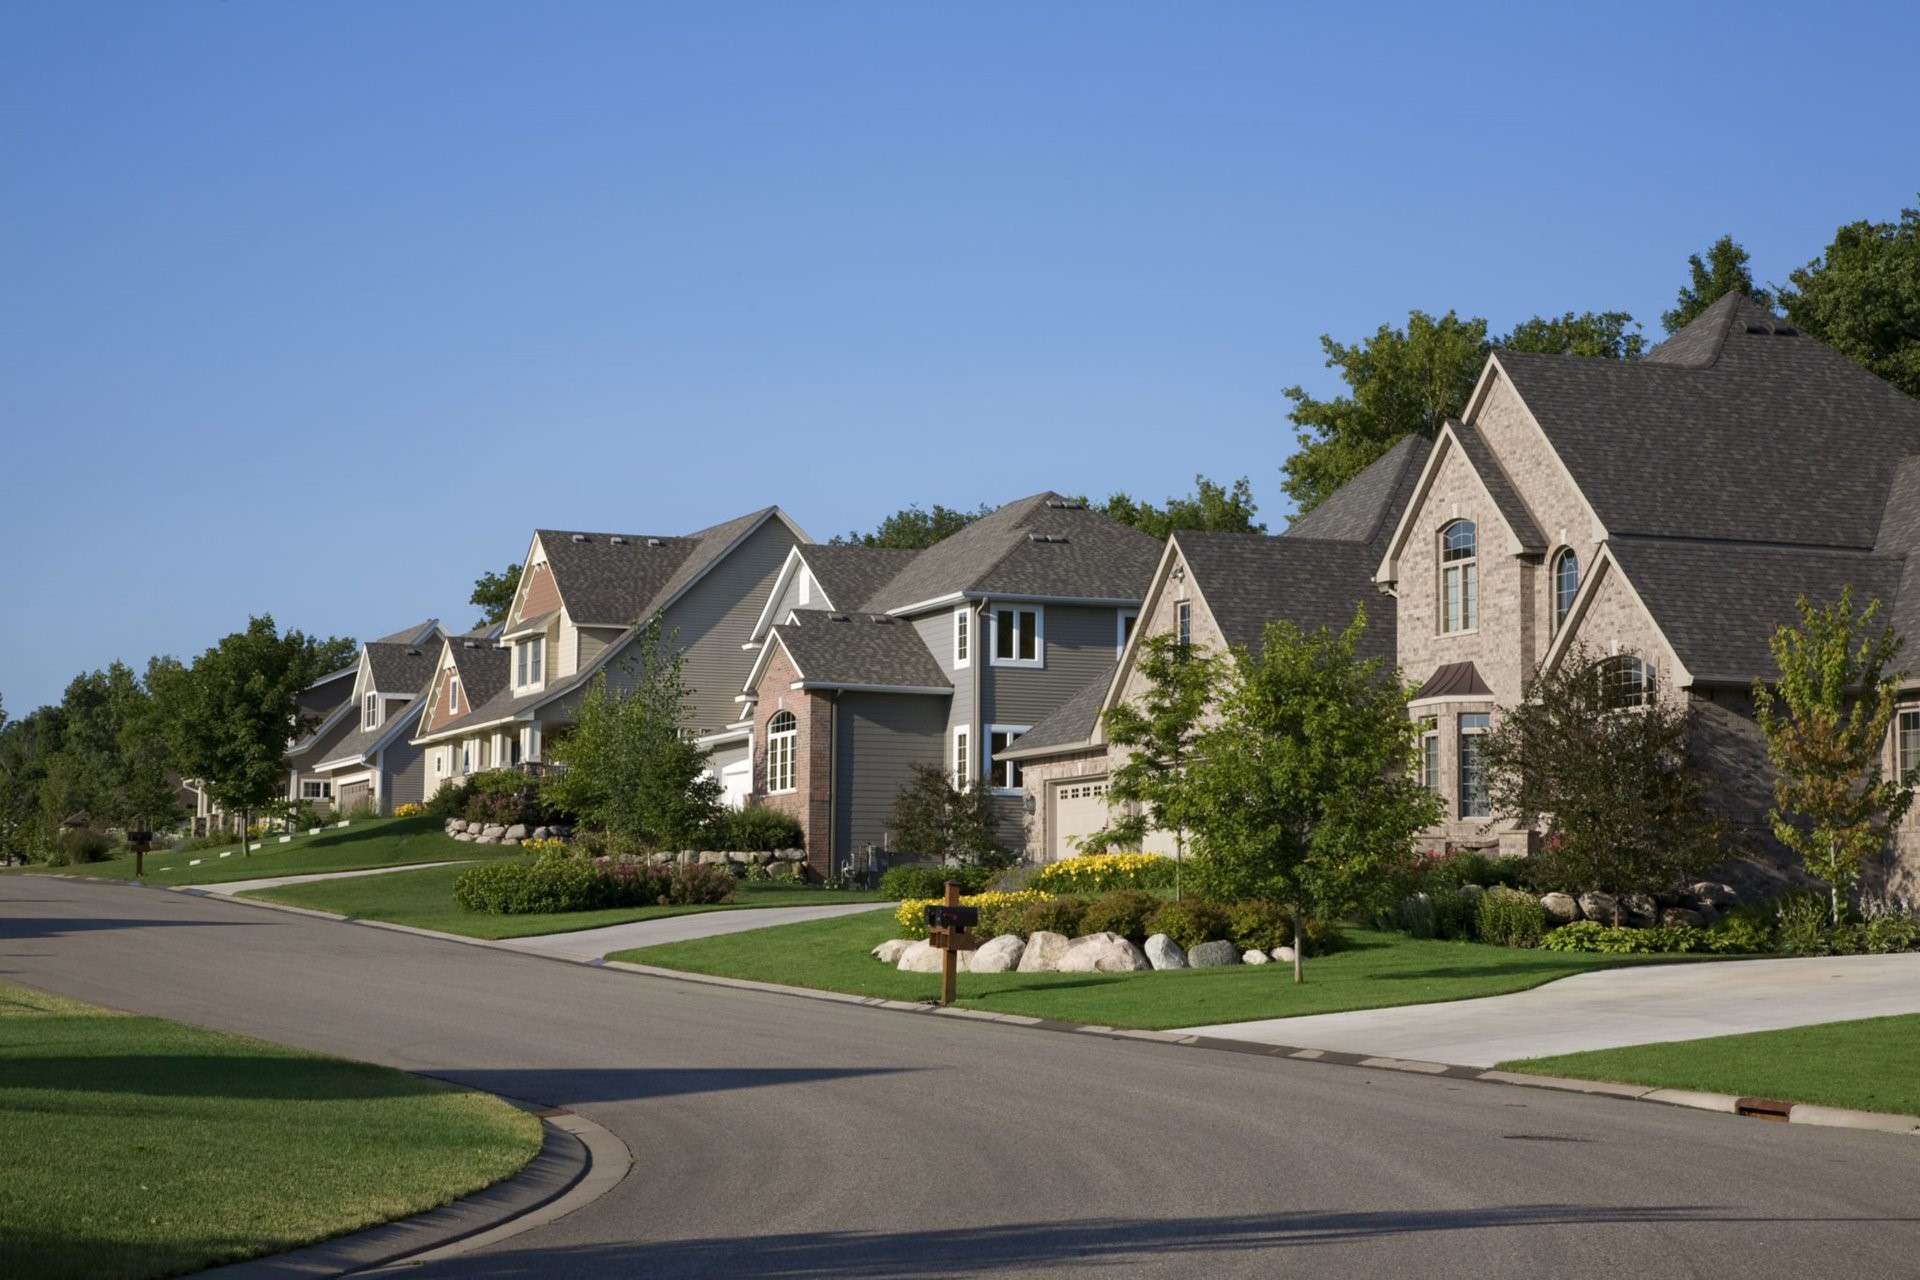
(1381, 969)
(138, 1147)
(1867, 1065)
(368, 842)
(424, 899)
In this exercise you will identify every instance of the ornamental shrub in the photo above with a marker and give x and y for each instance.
(757, 828)
(1054, 915)
(1106, 872)
(1883, 934)
(1123, 911)
(1189, 922)
(1743, 933)
(1803, 926)
(526, 888)
(911, 915)
(404, 811)
(1255, 925)
(1510, 918)
(931, 882)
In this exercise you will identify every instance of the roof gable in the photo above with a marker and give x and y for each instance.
(1454, 436)
(858, 651)
(1367, 507)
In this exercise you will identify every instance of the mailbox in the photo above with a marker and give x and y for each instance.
(959, 918)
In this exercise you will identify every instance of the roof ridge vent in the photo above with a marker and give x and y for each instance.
(655, 542)
(617, 540)
(838, 617)
(470, 644)
(412, 652)
(1046, 537)
(1065, 504)
(880, 618)
(579, 537)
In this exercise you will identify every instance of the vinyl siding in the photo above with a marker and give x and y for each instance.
(1079, 643)
(715, 618)
(593, 641)
(406, 769)
(879, 737)
(936, 632)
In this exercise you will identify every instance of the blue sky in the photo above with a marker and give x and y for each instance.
(318, 309)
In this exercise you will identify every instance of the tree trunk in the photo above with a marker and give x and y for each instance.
(246, 832)
(1299, 945)
(1179, 856)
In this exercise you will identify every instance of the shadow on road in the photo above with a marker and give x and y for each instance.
(14, 928)
(1047, 1245)
(562, 1086)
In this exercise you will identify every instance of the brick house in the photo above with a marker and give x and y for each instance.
(1667, 512)
(870, 662)
(1218, 590)
(498, 702)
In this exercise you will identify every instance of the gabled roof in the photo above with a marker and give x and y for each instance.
(1070, 725)
(850, 575)
(1718, 603)
(485, 673)
(1455, 435)
(400, 668)
(418, 634)
(1249, 579)
(359, 746)
(1525, 530)
(1736, 428)
(857, 651)
(618, 579)
(1366, 508)
(1042, 547)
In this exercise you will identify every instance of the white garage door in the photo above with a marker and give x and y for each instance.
(1079, 809)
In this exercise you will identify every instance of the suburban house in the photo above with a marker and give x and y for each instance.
(1217, 590)
(1667, 513)
(870, 662)
(371, 694)
(582, 601)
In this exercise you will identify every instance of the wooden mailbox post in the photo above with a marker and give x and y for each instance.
(950, 929)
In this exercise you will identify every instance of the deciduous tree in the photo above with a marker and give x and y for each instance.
(1722, 271)
(935, 818)
(1862, 297)
(913, 529)
(1212, 508)
(493, 594)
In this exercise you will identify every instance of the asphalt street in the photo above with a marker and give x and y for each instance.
(781, 1136)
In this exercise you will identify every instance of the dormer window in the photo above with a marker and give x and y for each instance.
(370, 711)
(529, 658)
(453, 695)
(1459, 578)
(1566, 583)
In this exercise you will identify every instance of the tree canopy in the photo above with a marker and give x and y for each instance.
(1211, 507)
(493, 594)
(1862, 297)
(1411, 380)
(1722, 271)
(912, 529)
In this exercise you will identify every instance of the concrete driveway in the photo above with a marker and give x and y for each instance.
(1642, 1005)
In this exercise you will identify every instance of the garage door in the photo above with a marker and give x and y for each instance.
(1079, 809)
(354, 794)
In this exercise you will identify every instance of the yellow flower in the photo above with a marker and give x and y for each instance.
(912, 914)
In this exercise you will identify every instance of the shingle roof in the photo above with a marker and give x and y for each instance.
(1070, 725)
(851, 575)
(419, 633)
(400, 668)
(617, 579)
(1249, 579)
(864, 649)
(1718, 603)
(360, 744)
(1040, 546)
(1735, 428)
(1367, 507)
(485, 676)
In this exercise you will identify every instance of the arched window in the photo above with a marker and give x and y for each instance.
(782, 734)
(1459, 578)
(1626, 681)
(1566, 581)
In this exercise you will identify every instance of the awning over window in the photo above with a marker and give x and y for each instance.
(1454, 680)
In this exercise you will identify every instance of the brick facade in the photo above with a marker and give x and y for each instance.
(810, 802)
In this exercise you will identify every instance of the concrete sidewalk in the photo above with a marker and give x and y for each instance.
(232, 887)
(591, 944)
(1609, 1008)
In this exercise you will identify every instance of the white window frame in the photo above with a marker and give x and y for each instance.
(1459, 579)
(1000, 772)
(466, 758)
(1430, 775)
(960, 757)
(370, 711)
(453, 695)
(1183, 623)
(322, 789)
(1906, 721)
(1039, 615)
(783, 747)
(805, 586)
(1120, 621)
(530, 662)
(963, 636)
(440, 764)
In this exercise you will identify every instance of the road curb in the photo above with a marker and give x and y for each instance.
(578, 1162)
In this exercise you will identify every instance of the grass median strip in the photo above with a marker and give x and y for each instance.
(424, 899)
(1863, 1065)
(1379, 970)
(138, 1147)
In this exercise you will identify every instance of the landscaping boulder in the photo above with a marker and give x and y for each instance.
(1681, 915)
(889, 951)
(456, 824)
(1283, 954)
(1043, 952)
(1642, 911)
(790, 855)
(762, 857)
(1164, 953)
(739, 858)
(924, 957)
(1256, 956)
(1723, 897)
(493, 833)
(1103, 953)
(1708, 915)
(542, 833)
(486, 839)
(1603, 907)
(518, 831)
(998, 955)
(465, 836)
(1561, 908)
(710, 858)
(1213, 955)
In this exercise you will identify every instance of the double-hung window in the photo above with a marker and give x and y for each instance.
(1124, 630)
(1430, 754)
(1473, 765)
(1183, 622)
(963, 768)
(1908, 742)
(370, 711)
(963, 636)
(1017, 639)
(783, 734)
(453, 695)
(1459, 578)
(529, 661)
(1005, 773)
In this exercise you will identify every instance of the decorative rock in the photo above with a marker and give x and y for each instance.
(486, 839)
(1680, 915)
(1708, 915)
(456, 824)
(466, 836)
(1642, 911)
(790, 855)
(762, 857)
(1103, 953)
(1256, 956)
(708, 858)
(1164, 953)
(1283, 954)
(889, 951)
(1714, 894)
(739, 859)
(542, 833)
(1213, 955)
(998, 955)
(1602, 907)
(1043, 953)
(924, 957)
(518, 831)
(494, 832)
(1561, 908)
